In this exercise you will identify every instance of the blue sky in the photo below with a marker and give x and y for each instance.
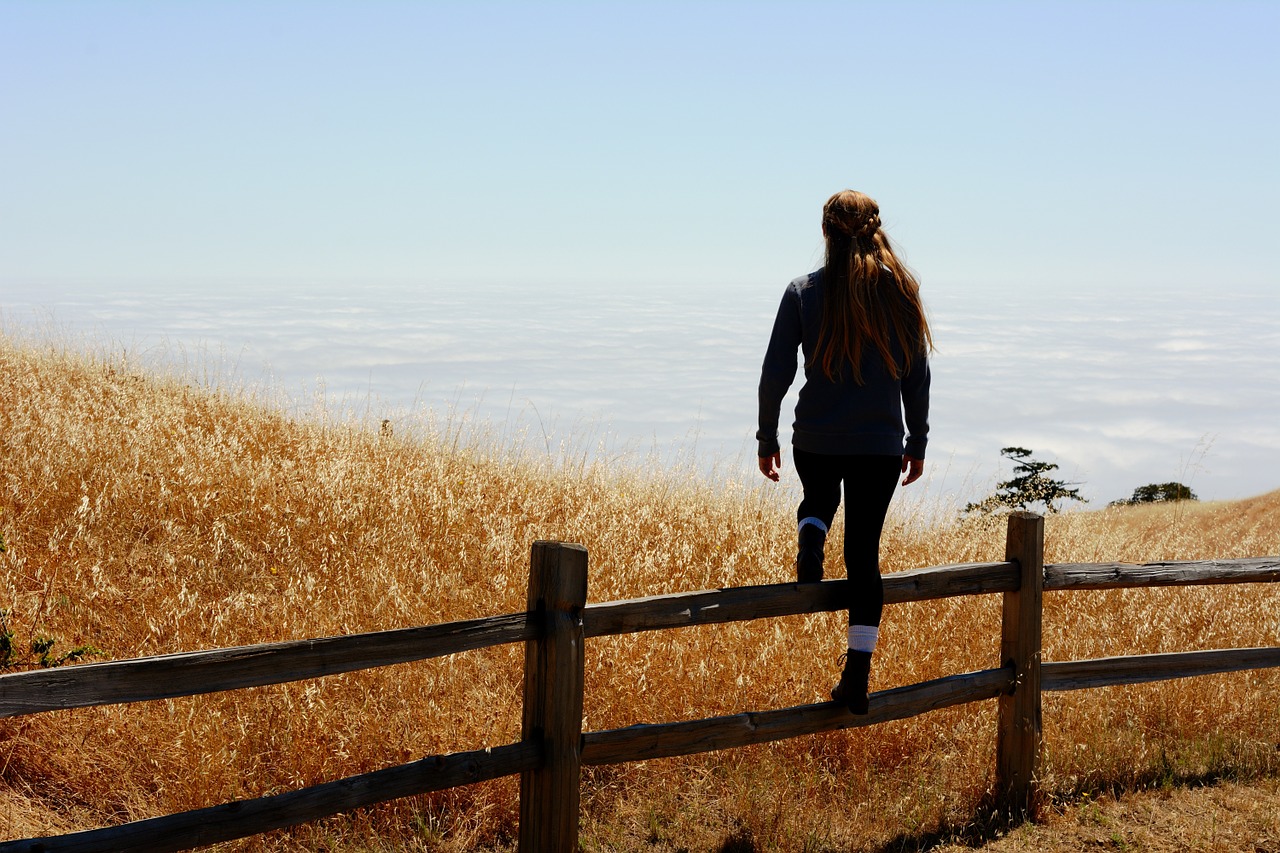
(586, 212)
(1032, 145)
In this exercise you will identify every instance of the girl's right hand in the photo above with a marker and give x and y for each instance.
(912, 468)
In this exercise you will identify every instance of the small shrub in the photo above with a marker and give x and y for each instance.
(1159, 493)
(1028, 486)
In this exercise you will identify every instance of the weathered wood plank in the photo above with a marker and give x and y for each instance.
(1019, 738)
(949, 581)
(191, 673)
(1181, 573)
(737, 604)
(229, 821)
(1139, 669)
(664, 740)
(554, 673)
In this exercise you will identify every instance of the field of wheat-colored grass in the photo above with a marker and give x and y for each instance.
(145, 513)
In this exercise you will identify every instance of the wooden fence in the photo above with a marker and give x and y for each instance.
(553, 748)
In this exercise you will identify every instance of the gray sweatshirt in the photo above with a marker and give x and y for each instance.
(840, 417)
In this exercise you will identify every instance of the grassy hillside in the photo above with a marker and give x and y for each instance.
(144, 515)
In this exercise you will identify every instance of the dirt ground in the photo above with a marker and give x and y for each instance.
(1221, 818)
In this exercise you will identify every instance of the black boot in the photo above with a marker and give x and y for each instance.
(852, 689)
(809, 558)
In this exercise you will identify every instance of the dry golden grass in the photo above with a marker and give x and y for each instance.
(145, 515)
(1224, 818)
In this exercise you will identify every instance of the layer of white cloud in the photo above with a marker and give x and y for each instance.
(1118, 392)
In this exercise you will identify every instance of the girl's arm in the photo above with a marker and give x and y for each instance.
(778, 372)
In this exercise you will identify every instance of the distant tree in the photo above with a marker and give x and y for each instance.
(1159, 493)
(1028, 486)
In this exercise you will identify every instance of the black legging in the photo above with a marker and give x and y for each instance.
(869, 481)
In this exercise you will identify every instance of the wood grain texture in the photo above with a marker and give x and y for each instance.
(1139, 669)
(554, 673)
(1020, 725)
(230, 821)
(664, 740)
(191, 673)
(1182, 573)
(948, 581)
(738, 604)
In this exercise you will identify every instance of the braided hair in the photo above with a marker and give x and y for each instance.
(870, 295)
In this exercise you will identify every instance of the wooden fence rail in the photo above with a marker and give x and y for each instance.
(553, 748)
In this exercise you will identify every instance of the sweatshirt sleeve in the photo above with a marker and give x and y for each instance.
(779, 370)
(915, 405)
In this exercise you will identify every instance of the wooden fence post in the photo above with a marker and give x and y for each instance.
(1019, 744)
(553, 686)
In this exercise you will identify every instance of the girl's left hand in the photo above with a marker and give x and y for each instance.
(771, 465)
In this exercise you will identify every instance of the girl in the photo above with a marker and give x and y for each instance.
(860, 323)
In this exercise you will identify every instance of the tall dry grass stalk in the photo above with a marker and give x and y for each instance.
(144, 515)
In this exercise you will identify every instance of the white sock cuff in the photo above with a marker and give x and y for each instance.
(816, 522)
(862, 638)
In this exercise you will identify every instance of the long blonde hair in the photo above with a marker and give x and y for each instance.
(870, 295)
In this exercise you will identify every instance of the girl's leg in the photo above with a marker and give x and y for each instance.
(820, 478)
(869, 482)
